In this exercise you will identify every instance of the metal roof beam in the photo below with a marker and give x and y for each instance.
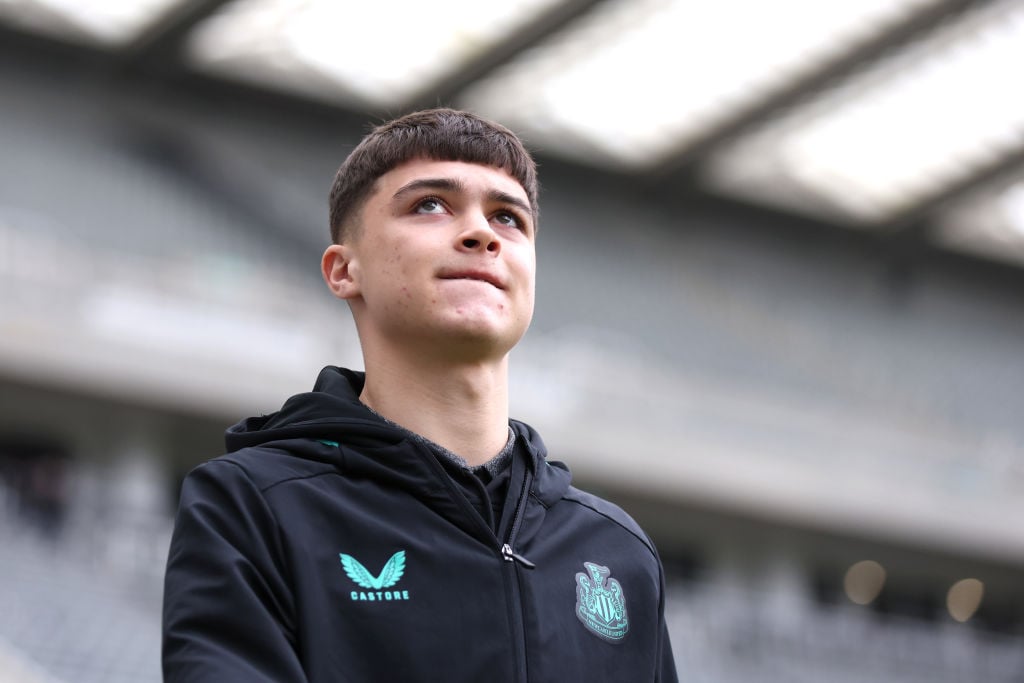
(545, 24)
(919, 217)
(157, 49)
(679, 167)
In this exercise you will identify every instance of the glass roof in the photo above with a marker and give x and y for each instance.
(990, 223)
(637, 79)
(378, 53)
(102, 21)
(632, 84)
(898, 133)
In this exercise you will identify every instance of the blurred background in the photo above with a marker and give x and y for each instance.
(780, 316)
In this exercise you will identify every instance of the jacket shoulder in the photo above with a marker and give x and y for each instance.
(611, 512)
(268, 465)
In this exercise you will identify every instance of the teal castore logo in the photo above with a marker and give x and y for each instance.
(388, 577)
(600, 603)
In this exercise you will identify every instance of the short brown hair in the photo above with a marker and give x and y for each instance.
(438, 134)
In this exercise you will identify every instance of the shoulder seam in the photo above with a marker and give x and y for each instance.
(646, 543)
(297, 478)
(280, 559)
(264, 489)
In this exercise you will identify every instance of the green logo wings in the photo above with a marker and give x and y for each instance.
(389, 576)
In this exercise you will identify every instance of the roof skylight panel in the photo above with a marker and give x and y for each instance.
(376, 53)
(634, 81)
(899, 133)
(109, 22)
(990, 223)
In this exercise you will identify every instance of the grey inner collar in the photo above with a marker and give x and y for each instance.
(493, 466)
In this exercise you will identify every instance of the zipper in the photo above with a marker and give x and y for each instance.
(512, 559)
(506, 552)
(506, 549)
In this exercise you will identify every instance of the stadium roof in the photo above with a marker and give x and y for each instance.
(882, 115)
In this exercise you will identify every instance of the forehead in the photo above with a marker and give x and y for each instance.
(475, 177)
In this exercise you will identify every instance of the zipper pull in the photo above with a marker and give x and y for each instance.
(506, 552)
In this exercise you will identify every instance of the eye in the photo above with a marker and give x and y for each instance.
(509, 220)
(430, 205)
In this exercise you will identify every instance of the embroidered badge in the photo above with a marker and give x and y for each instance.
(389, 576)
(600, 604)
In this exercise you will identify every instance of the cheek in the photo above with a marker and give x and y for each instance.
(527, 268)
(390, 265)
(530, 303)
(395, 274)
(528, 292)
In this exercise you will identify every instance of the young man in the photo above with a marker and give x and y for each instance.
(395, 525)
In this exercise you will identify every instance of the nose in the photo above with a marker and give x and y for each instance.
(479, 236)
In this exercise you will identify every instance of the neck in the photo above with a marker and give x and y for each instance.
(461, 406)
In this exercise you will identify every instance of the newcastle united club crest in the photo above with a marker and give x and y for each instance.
(600, 604)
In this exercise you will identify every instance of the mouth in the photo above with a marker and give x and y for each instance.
(473, 275)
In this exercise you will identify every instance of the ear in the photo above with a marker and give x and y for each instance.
(340, 271)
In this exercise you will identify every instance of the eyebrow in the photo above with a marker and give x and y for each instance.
(456, 185)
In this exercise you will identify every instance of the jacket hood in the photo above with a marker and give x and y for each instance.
(333, 412)
(332, 407)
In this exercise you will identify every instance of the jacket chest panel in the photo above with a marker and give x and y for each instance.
(389, 588)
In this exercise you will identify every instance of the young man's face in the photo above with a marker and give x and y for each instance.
(444, 253)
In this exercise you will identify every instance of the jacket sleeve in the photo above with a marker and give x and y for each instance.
(666, 664)
(228, 612)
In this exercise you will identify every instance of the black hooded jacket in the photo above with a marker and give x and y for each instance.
(328, 546)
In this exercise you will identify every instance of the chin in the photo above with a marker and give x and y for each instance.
(484, 336)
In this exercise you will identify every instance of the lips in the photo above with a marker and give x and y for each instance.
(477, 275)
